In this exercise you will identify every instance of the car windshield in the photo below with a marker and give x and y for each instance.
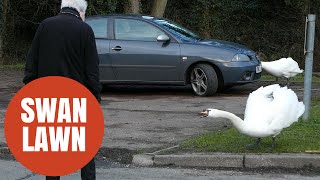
(182, 32)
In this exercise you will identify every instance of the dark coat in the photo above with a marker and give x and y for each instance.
(65, 46)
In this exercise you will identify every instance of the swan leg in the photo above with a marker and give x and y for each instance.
(288, 82)
(257, 143)
(273, 144)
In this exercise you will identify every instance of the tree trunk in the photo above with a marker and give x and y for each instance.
(7, 33)
(316, 11)
(4, 15)
(1, 48)
(159, 7)
(133, 7)
(206, 22)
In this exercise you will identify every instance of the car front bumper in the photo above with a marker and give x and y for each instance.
(240, 72)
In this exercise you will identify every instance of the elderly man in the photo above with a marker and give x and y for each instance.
(65, 46)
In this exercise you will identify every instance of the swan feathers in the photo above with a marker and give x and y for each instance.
(282, 68)
(268, 111)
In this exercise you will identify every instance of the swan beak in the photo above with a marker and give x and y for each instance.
(204, 113)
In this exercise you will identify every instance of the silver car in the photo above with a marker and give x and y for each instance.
(135, 49)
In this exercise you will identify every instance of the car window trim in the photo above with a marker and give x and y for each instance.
(110, 34)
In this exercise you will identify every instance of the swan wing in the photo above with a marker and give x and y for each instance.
(286, 108)
(260, 103)
(271, 68)
(291, 68)
(272, 108)
(284, 67)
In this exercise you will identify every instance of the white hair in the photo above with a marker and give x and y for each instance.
(80, 5)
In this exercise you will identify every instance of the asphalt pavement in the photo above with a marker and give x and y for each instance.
(144, 119)
(13, 170)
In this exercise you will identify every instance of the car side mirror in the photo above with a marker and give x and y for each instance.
(163, 38)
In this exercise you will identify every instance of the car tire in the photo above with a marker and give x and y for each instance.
(204, 80)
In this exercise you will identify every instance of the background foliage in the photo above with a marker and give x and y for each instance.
(273, 28)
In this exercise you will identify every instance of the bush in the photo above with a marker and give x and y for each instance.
(272, 28)
(275, 29)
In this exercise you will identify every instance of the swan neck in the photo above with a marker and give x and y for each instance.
(236, 121)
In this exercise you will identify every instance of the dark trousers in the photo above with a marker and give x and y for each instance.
(88, 172)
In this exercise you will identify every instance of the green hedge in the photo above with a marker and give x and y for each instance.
(273, 28)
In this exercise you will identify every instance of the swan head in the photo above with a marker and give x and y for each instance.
(209, 112)
(215, 113)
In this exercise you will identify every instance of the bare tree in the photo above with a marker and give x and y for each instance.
(316, 10)
(159, 7)
(4, 14)
(133, 7)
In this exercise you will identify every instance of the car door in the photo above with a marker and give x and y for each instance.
(138, 56)
(100, 28)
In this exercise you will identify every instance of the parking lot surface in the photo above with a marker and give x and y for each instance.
(149, 118)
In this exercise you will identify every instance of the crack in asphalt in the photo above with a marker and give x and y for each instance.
(27, 176)
(151, 111)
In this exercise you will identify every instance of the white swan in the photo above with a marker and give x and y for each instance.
(282, 68)
(269, 110)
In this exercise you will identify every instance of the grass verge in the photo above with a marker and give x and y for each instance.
(19, 66)
(299, 137)
(299, 78)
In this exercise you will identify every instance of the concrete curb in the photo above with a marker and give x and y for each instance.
(143, 160)
(282, 160)
(226, 160)
(200, 160)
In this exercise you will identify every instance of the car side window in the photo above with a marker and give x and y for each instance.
(130, 29)
(99, 27)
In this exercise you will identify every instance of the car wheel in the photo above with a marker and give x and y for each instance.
(204, 80)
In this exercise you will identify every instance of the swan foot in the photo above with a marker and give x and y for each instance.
(252, 145)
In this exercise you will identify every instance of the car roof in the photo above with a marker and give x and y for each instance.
(132, 16)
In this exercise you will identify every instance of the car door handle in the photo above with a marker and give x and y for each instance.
(117, 48)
